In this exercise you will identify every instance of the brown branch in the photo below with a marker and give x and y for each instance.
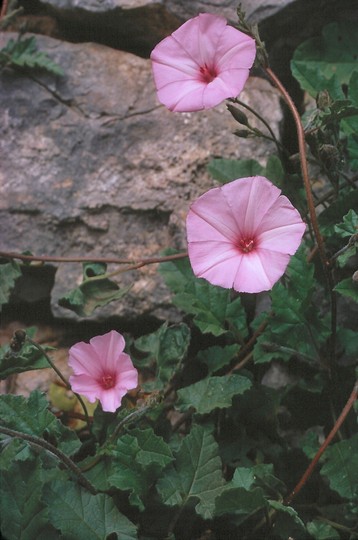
(94, 259)
(352, 398)
(311, 204)
(3, 9)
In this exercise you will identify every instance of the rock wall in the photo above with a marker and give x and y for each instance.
(91, 164)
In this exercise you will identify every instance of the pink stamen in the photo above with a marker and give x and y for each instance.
(208, 74)
(246, 245)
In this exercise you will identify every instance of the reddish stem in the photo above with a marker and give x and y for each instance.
(94, 259)
(337, 425)
(303, 159)
(311, 204)
(3, 9)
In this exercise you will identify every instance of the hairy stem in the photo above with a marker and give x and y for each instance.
(37, 441)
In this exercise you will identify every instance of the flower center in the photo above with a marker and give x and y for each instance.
(207, 74)
(108, 381)
(246, 245)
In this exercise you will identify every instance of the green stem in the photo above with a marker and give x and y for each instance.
(273, 137)
(37, 441)
(63, 379)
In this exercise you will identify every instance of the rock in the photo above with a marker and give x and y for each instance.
(138, 25)
(93, 165)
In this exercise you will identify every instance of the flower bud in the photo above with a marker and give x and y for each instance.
(239, 116)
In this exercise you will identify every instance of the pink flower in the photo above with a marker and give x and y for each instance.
(102, 370)
(201, 64)
(242, 234)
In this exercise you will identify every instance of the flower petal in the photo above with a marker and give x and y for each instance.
(108, 348)
(83, 359)
(220, 268)
(235, 50)
(202, 43)
(210, 218)
(246, 212)
(259, 271)
(111, 399)
(86, 386)
(249, 200)
(282, 228)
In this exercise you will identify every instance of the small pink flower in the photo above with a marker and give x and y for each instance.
(201, 64)
(242, 234)
(102, 370)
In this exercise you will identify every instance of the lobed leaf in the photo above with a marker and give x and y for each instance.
(334, 53)
(82, 516)
(92, 294)
(212, 393)
(9, 273)
(31, 416)
(195, 475)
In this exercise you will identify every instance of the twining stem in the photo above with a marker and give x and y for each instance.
(63, 379)
(92, 259)
(310, 203)
(303, 160)
(352, 398)
(37, 441)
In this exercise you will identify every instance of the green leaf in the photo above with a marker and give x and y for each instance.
(82, 516)
(9, 273)
(275, 171)
(336, 211)
(341, 467)
(334, 53)
(27, 359)
(92, 293)
(226, 170)
(239, 501)
(31, 416)
(349, 226)
(23, 515)
(196, 474)
(322, 531)
(211, 306)
(348, 287)
(217, 357)
(287, 522)
(166, 348)
(212, 393)
(139, 457)
(23, 53)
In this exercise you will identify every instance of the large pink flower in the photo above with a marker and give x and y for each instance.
(102, 370)
(242, 234)
(201, 64)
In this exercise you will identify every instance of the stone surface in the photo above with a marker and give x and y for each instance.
(93, 165)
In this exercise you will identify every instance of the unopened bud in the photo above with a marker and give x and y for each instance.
(323, 100)
(239, 116)
(244, 133)
(17, 340)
